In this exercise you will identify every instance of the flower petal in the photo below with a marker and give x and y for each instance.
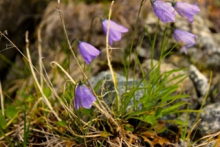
(186, 10)
(88, 52)
(83, 97)
(115, 36)
(115, 30)
(77, 103)
(164, 11)
(117, 27)
(185, 39)
(184, 49)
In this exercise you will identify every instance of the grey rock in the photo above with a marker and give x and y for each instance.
(215, 89)
(208, 49)
(108, 90)
(210, 118)
(182, 143)
(200, 81)
(142, 52)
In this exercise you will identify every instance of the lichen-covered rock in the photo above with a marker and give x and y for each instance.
(107, 87)
(200, 81)
(208, 49)
(210, 118)
(215, 89)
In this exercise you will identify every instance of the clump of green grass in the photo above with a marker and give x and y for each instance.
(47, 117)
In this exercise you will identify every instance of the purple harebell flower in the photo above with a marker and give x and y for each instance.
(83, 97)
(88, 52)
(185, 39)
(115, 30)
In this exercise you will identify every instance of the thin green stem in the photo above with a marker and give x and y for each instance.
(132, 42)
(163, 44)
(90, 29)
(139, 65)
(153, 44)
(162, 49)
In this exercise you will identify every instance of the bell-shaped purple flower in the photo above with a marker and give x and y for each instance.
(115, 30)
(83, 97)
(186, 10)
(185, 39)
(88, 52)
(164, 11)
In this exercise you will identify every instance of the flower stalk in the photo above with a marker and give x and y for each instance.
(71, 49)
(109, 61)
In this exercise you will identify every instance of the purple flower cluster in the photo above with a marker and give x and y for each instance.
(165, 11)
(83, 95)
(186, 10)
(89, 52)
